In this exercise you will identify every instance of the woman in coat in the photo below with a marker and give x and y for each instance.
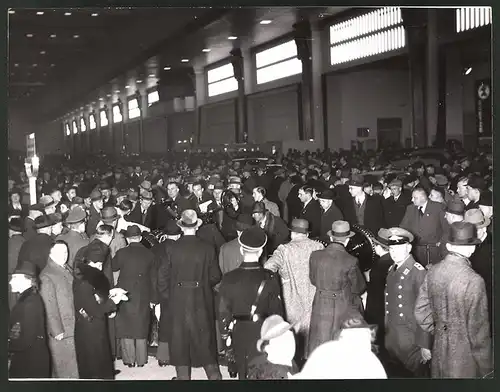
(94, 303)
(15, 206)
(339, 285)
(30, 356)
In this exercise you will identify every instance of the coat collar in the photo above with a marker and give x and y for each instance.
(25, 294)
(455, 257)
(336, 247)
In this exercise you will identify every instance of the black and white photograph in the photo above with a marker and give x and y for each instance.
(250, 193)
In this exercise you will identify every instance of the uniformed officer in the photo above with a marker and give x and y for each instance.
(407, 345)
(248, 295)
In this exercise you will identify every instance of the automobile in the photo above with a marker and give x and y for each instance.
(434, 156)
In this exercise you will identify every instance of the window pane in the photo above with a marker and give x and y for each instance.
(279, 71)
(92, 122)
(278, 53)
(75, 127)
(83, 127)
(117, 117)
(222, 87)
(104, 118)
(134, 113)
(153, 97)
(219, 73)
(132, 104)
(68, 130)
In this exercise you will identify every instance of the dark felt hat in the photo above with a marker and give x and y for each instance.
(16, 224)
(327, 194)
(219, 185)
(103, 185)
(94, 252)
(133, 231)
(463, 233)
(253, 239)
(172, 228)
(455, 206)
(259, 207)
(477, 182)
(25, 268)
(77, 200)
(486, 199)
(55, 218)
(299, 226)
(243, 222)
(356, 180)
(76, 215)
(96, 195)
(109, 214)
(42, 222)
(37, 207)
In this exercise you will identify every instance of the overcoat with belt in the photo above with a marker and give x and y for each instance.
(339, 284)
(190, 274)
(138, 277)
(28, 338)
(56, 289)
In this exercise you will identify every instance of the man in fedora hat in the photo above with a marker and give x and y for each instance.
(138, 277)
(34, 212)
(275, 228)
(291, 262)
(453, 306)
(248, 295)
(482, 258)
(75, 237)
(36, 250)
(144, 212)
(107, 198)
(407, 345)
(455, 209)
(330, 213)
(339, 284)
(192, 274)
(97, 205)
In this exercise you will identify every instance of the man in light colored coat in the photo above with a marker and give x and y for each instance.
(56, 289)
(291, 261)
(452, 305)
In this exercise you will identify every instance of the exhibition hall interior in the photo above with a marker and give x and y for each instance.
(250, 193)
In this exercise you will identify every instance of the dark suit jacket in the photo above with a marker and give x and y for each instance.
(293, 203)
(94, 219)
(148, 219)
(327, 218)
(277, 233)
(374, 214)
(482, 262)
(312, 213)
(14, 246)
(394, 210)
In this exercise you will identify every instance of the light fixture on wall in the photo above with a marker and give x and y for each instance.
(40, 13)
(265, 22)
(167, 68)
(467, 70)
(206, 50)
(185, 61)
(232, 38)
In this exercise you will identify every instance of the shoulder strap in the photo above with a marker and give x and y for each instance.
(259, 293)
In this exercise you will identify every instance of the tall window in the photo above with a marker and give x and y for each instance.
(83, 126)
(153, 97)
(472, 17)
(75, 127)
(367, 35)
(278, 62)
(104, 118)
(133, 108)
(221, 80)
(92, 123)
(68, 129)
(117, 115)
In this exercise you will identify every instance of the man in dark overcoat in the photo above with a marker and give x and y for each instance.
(452, 305)
(94, 212)
(330, 213)
(395, 205)
(362, 209)
(425, 219)
(275, 228)
(311, 210)
(339, 284)
(137, 276)
(191, 273)
(248, 295)
(36, 250)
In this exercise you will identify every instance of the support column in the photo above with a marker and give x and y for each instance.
(242, 118)
(317, 87)
(140, 102)
(414, 20)
(432, 79)
(200, 91)
(303, 37)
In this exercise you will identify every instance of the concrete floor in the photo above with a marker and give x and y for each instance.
(151, 371)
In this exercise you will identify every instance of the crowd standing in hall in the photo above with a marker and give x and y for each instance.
(251, 268)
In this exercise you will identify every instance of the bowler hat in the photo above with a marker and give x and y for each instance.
(340, 230)
(463, 233)
(15, 224)
(96, 195)
(189, 220)
(133, 231)
(76, 215)
(171, 228)
(327, 194)
(477, 218)
(244, 221)
(253, 239)
(455, 206)
(259, 207)
(25, 268)
(356, 180)
(109, 214)
(299, 226)
(272, 327)
(43, 221)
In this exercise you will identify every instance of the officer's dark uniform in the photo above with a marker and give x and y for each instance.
(238, 291)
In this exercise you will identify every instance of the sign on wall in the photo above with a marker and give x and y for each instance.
(483, 107)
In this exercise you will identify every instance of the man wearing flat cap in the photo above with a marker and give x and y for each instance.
(75, 237)
(452, 305)
(291, 262)
(36, 250)
(191, 274)
(339, 284)
(248, 295)
(138, 277)
(407, 345)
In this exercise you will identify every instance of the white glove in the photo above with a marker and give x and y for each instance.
(426, 354)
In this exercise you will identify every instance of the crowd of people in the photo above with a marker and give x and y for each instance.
(247, 265)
